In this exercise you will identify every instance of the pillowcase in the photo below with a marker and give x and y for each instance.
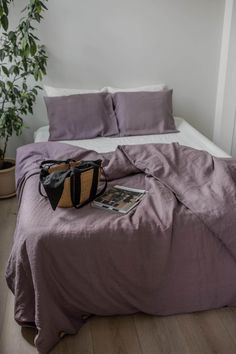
(56, 91)
(82, 116)
(159, 87)
(140, 113)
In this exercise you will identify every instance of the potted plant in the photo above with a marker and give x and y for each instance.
(23, 62)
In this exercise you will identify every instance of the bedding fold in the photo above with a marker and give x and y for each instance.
(174, 253)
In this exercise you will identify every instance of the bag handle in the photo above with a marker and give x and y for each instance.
(40, 190)
(75, 191)
(55, 162)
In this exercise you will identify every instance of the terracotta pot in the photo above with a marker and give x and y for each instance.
(7, 180)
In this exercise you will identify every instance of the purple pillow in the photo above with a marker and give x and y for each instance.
(140, 113)
(81, 116)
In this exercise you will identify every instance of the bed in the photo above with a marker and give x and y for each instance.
(187, 136)
(174, 253)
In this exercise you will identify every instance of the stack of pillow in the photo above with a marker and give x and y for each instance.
(83, 114)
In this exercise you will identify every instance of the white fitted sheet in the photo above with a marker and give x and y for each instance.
(187, 136)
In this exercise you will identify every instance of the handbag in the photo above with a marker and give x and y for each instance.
(71, 183)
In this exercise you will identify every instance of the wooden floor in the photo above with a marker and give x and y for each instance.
(199, 333)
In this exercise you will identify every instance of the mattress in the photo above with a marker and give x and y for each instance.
(187, 136)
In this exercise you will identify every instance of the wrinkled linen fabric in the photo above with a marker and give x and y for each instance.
(174, 253)
(142, 113)
(81, 116)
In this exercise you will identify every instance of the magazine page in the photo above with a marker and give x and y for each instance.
(119, 198)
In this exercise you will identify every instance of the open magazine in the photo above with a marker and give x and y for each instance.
(119, 198)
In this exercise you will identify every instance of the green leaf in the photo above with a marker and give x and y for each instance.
(25, 8)
(10, 84)
(24, 85)
(43, 5)
(5, 70)
(33, 47)
(5, 7)
(16, 70)
(4, 22)
(11, 35)
(24, 43)
(2, 54)
(37, 17)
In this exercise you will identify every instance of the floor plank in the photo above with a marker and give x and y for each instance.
(7, 225)
(215, 332)
(210, 332)
(160, 335)
(12, 341)
(112, 335)
(79, 344)
(228, 318)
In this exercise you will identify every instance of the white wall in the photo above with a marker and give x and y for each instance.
(134, 42)
(226, 135)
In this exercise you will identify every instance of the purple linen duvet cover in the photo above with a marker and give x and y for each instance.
(175, 252)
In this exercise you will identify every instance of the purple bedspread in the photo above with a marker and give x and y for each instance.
(175, 252)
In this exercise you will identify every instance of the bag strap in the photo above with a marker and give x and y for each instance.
(75, 188)
(94, 186)
(55, 162)
(105, 185)
(40, 190)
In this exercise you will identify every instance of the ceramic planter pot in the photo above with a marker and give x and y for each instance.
(7, 179)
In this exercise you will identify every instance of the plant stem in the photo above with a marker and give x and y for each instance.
(5, 146)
